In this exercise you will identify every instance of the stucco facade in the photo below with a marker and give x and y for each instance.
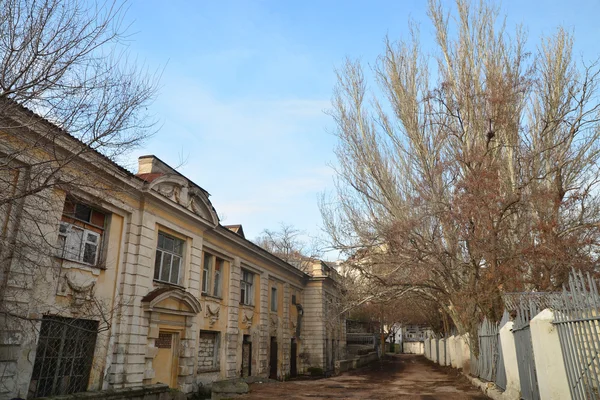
(136, 275)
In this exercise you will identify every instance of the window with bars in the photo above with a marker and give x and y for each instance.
(169, 258)
(64, 356)
(80, 233)
(247, 288)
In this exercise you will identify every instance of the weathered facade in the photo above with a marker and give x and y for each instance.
(118, 280)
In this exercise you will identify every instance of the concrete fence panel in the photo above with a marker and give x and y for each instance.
(549, 364)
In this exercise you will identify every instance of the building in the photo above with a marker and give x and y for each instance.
(111, 279)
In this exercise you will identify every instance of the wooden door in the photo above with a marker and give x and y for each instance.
(166, 360)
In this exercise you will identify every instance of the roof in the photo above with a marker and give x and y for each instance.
(67, 135)
(236, 229)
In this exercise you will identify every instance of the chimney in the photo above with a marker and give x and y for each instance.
(153, 165)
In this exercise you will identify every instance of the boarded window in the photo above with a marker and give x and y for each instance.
(63, 357)
(208, 351)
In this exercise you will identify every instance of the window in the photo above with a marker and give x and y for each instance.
(247, 287)
(208, 260)
(80, 233)
(63, 358)
(218, 272)
(294, 299)
(212, 274)
(169, 257)
(208, 351)
(273, 299)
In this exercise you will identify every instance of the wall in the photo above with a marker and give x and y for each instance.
(549, 365)
(413, 348)
(136, 308)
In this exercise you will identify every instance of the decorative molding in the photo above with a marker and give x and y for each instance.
(247, 318)
(182, 192)
(152, 300)
(212, 313)
(81, 287)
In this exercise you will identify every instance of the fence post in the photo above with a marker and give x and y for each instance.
(549, 363)
(458, 339)
(509, 352)
(450, 349)
(442, 355)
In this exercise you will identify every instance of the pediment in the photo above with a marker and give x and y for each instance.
(173, 300)
(181, 191)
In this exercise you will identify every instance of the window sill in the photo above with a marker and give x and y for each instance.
(248, 306)
(163, 283)
(211, 296)
(79, 263)
(205, 371)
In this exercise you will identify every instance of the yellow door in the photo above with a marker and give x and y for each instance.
(165, 362)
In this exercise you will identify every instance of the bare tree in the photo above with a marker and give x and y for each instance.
(472, 171)
(71, 101)
(288, 243)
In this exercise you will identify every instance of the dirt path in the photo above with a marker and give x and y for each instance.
(399, 377)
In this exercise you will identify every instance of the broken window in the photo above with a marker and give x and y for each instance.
(80, 233)
(212, 271)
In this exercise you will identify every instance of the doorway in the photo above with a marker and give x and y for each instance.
(273, 372)
(246, 356)
(166, 361)
(293, 358)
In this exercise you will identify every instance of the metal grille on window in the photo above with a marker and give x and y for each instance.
(64, 356)
(164, 340)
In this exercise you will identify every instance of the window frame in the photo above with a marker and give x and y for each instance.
(212, 277)
(248, 287)
(158, 269)
(71, 222)
(274, 299)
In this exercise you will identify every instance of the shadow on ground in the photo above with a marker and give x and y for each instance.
(397, 377)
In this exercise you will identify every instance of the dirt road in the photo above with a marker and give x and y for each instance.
(398, 377)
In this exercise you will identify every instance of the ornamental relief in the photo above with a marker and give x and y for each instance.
(189, 197)
(212, 313)
(247, 318)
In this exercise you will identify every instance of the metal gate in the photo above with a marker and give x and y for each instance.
(526, 310)
(577, 318)
(63, 357)
(500, 370)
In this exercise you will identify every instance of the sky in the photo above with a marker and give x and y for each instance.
(245, 87)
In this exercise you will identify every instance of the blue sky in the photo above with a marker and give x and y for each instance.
(246, 83)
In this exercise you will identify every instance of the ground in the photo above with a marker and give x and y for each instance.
(397, 377)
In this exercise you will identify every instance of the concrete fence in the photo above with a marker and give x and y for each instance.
(551, 374)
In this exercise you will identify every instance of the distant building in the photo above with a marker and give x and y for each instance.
(134, 281)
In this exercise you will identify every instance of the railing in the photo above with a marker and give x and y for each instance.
(577, 318)
(361, 339)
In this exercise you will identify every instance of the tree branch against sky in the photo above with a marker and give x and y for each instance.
(67, 62)
(473, 167)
